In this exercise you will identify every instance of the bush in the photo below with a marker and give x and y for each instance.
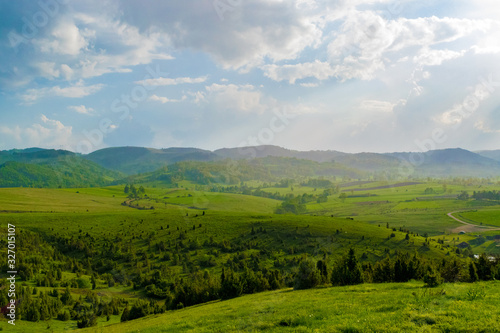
(89, 319)
(432, 278)
(83, 283)
(63, 316)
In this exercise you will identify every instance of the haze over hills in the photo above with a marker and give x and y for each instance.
(133, 160)
(51, 168)
(268, 150)
(493, 154)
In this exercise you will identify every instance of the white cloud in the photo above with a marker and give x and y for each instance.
(66, 71)
(237, 98)
(164, 100)
(162, 81)
(48, 69)
(76, 91)
(317, 69)
(309, 85)
(366, 43)
(379, 106)
(47, 133)
(470, 104)
(82, 109)
(250, 35)
(428, 57)
(481, 126)
(65, 39)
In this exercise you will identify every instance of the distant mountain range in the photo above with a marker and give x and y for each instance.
(51, 168)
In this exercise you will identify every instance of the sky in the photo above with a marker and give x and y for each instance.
(346, 75)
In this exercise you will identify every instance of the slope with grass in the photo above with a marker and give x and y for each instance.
(404, 307)
(88, 234)
(485, 217)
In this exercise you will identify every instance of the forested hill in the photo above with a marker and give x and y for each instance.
(233, 172)
(134, 160)
(436, 163)
(51, 168)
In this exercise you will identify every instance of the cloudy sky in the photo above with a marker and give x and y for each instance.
(348, 75)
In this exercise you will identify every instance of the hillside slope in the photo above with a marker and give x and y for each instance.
(51, 168)
(133, 160)
(392, 307)
(450, 162)
(493, 154)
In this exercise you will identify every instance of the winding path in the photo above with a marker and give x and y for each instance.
(469, 227)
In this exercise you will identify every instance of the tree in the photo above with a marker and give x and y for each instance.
(463, 196)
(323, 270)
(473, 277)
(66, 298)
(343, 196)
(432, 278)
(308, 275)
(484, 270)
(126, 189)
(231, 285)
(347, 272)
(88, 319)
(429, 190)
(141, 190)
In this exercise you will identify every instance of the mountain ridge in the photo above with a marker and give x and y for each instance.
(129, 160)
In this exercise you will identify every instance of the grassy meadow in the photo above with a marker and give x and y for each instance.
(179, 231)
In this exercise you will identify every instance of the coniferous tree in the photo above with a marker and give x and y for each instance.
(473, 277)
(323, 270)
(308, 275)
(347, 272)
(125, 314)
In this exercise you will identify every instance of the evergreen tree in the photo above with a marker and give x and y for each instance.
(473, 277)
(308, 275)
(125, 314)
(66, 298)
(432, 278)
(347, 272)
(323, 270)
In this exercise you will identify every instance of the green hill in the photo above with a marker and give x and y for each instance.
(406, 307)
(392, 307)
(133, 160)
(50, 168)
(235, 171)
(451, 163)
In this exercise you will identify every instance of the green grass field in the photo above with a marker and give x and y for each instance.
(489, 216)
(392, 307)
(93, 220)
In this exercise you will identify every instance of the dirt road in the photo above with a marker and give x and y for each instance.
(468, 227)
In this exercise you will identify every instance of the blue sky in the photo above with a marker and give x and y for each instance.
(360, 75)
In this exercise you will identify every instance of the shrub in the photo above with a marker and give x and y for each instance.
(432, 278)
(63, 316)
